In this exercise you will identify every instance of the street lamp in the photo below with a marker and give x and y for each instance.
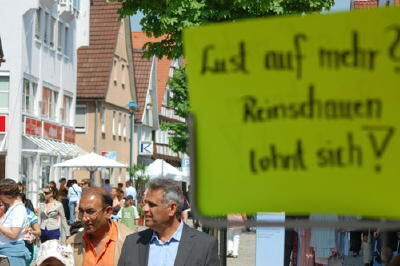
(132, 109)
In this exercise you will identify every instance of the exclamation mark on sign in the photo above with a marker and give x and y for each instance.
(378, 141)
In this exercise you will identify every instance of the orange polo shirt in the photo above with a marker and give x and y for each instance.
(106, 256)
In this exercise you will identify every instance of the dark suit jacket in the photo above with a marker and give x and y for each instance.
(195, 248)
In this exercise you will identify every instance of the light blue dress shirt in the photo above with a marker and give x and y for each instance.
(164, 254)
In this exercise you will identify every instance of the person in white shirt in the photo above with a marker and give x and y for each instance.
(74, 195)
(131, 191)
(12, 224)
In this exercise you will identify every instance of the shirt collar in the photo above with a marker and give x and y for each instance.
(175, 237)
(111, 235)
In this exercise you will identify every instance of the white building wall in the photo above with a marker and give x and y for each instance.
(29, 57)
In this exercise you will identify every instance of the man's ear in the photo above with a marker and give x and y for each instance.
(172, 209)
(109, 211)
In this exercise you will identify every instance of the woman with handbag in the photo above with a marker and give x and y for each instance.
(53, 224)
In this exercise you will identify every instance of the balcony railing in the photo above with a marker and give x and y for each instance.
(68, 8)
(164, 149)
(169, 112)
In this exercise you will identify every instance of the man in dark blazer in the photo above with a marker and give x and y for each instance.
(169, 241)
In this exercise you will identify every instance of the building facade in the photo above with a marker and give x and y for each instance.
(38, 88)
(146, 117)
(105, 87)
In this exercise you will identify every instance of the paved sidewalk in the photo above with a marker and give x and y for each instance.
(247, 251)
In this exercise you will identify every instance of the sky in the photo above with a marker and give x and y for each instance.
(135, 26)
(340, 5)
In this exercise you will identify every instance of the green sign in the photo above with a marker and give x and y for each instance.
(297, 114)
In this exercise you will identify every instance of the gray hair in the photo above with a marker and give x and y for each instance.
(172, 192)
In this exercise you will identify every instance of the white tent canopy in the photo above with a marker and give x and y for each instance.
(91, 161)
(160, 168)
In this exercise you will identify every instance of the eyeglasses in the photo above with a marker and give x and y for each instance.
(91, 213)
(46, 192)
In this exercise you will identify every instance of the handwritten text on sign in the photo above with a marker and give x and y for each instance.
(297, 114)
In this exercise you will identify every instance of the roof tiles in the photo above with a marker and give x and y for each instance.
(141, 70)
(95, 61)
(361, 4)
(139, 38)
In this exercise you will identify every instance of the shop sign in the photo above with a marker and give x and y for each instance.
(146, 148)
(69, 135)
(52, 131)
(33, 127)
(297, 114)
(3, 123)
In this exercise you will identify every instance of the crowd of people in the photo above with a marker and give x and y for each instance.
(76, 224)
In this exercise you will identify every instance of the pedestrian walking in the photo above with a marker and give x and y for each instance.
(168, 241)
(28, 202)
(107, 186)
(63, 185)
(12, 226)
(101, 241)
(118, 197)
(128, 214)
(130, 190)
(74, 194)
(32, 230)
(53, 224)
(85, 183)
(233, 234)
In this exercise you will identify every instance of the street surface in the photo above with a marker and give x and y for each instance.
(247, 253)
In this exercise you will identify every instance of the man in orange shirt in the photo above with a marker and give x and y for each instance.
(101, 242)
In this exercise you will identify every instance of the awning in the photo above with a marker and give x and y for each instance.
(54, 147)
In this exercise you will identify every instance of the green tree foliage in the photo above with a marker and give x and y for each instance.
(137, 172)
(169, 17)
(179, 137)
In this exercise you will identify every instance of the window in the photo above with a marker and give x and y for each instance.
(119, 125)
(51, 31)
(75, 4)
(80, 118)
(4, 87)
(123, 76)
(29, 95)
(59, 36)
(113, 124)
(49, 102)
(124, 126)
(102, 120)
(46, 27)
(37, 25)
(66, 33)
(66, 110)
(115, 70)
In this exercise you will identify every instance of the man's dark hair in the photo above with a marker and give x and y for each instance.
(172, 192)
(9, 187)
(63, 180)
(128, 183)
(120, 185)
(70, 183)
(101, 193)
(107, 181)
